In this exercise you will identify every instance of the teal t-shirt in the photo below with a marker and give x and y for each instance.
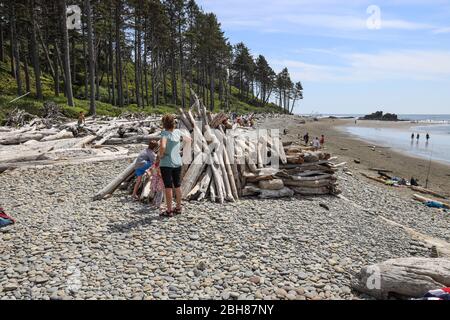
(172, 156)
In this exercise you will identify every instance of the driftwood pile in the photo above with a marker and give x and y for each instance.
(225, 165)
(246, 162)
(48, 141)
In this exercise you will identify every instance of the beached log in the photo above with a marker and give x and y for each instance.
(275, 184)
(250, 190)
(193, 173)
(85, 141)
(425, 200)
(295, 150)
(53, 163)
(135, 139)
(427, 191)
(403, 278)
(218, 120)
(279, 147)
(257, 177)
(113, 185)
(227, 162)
(63, 134)
(31, 155)
(311, 191)
(102, 141)
(212, 191)
(295, 159)
(307, 176)
(373, 178)
(20, 138)
(226, 181)
(276, 194)
(308, 184)
(194, 193)
(218, 183)
(380, 170)
(185, 120)
(204, 184)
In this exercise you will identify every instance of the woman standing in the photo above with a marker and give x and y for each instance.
(171, 163)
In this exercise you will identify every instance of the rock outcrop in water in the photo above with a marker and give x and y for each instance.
(379, 115)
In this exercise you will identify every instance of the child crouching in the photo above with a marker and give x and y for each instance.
(144, 161)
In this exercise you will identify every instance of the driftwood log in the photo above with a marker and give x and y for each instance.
(403, 278)
(113, 185)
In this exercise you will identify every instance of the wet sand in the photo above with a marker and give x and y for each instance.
(348, 148)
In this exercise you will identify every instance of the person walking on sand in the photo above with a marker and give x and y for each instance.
(306, 138)
(171, 163)
(428, 137)
(316, 144)
(413, 136)
(144, 162)
(418, 137)
(322, 141)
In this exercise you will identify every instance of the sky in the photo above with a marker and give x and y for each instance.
(352, 56)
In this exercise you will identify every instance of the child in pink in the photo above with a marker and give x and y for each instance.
(156, 185)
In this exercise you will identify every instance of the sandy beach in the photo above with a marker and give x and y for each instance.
(348, 148)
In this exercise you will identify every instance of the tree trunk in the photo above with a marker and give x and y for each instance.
(2, 53)
(56, 67)
(181, 63)
(126, 92)
(174, 78)
(66, 54)
(119, 56)
(11, 42)
(16, 51)
(92, 109)
(111, 67)
(153, 79)
(212, 88)
(27, 74)
(35, 53)
(146, 76)
(137, 67)
(74, 55)
(86, 70)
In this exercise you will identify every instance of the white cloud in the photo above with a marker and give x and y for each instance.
(284, 15)
(387, 65)
(442, 30)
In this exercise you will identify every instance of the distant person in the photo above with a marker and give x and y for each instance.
(413, 136)
(428, 137)
(144, 161)
(306, 138)
(81, 119)
(316, 143)
(418, 137)
(322, 141)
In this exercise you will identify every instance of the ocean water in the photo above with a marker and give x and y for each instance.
(436, 149)
(433, 118)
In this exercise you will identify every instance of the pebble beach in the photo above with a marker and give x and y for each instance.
(64, 245)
